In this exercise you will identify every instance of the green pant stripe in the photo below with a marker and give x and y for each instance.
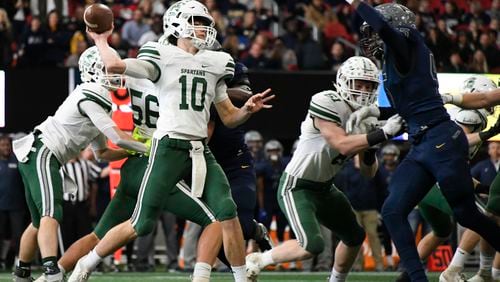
(291, 210)
(138, 205)
(184, 188)
(43, 168)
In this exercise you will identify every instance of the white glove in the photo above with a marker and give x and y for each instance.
(392, 126)
(455, 99)
(367, 125)
(359, 115)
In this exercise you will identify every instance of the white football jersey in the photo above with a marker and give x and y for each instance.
(187, 85)
(70, 130)
(314, 159)
(143, 96)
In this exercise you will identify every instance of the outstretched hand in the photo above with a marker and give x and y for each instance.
(258, 102)
(99, 37)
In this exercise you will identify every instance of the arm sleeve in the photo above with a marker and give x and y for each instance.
(220, 92)
(142, 69)
(106, 125)
(386, 113)
(394, 39)
(99, 143)
(150, 53)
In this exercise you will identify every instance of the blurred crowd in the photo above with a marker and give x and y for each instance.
(264, 34)
(172, 245)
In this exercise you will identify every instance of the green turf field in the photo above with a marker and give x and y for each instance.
(265, 277)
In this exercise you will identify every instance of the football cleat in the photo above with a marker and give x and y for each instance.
(452, 274)
(254, 265)
(482, 276)
(80, 274)
(262, 237)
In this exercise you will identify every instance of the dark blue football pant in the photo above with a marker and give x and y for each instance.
(242, 182)
(440, 154)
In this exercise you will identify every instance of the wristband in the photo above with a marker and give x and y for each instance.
(485, 135)
(375, 137)
(369, 157)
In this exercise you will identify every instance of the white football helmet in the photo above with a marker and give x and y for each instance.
(357, 68)
(273, 145)
(178, 21)
(478, 83)
(92, 69)
(476, 120)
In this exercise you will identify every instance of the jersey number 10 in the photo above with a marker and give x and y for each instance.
(195, 82)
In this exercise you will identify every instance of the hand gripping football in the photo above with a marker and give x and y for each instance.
(98, 18)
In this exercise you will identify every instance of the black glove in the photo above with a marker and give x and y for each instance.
(494, 130)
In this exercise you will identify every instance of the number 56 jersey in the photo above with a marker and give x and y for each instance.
(314, 159)
(187, 85)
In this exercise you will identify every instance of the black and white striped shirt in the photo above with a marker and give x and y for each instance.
(83, 172)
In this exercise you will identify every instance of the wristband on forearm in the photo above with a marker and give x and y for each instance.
(375, 137)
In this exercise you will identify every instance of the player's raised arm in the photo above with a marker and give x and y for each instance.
(379, 27)
(114, 64)
(478, 92)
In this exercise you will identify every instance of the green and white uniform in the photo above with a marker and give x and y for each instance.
(54, 142)
(187, 84)
(434, 207)
(181, 203)
(306, 193)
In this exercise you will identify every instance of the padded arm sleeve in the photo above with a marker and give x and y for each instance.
(141, 69)
(106, 125)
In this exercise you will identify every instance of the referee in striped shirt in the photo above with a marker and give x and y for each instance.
(79, 209)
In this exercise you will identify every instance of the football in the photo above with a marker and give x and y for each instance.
(98, 18)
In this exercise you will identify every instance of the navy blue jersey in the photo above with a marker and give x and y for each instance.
(228, 144)
(409, 72)
(484, 171)
(271, 173)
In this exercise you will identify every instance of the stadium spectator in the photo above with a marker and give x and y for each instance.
(309, 52)
(290, 38)
(263, 15)
(455, 64)
(435, 42)
(451, 14)
(426, 14)
(333, 28)
(255, 58)
(72, 61)
(13, 209)
(337, 56)
(133, 29)
(231, 45)
(494, 11)
(476, 13)
(490, 50)
(479, 63)
(248, 28)
(76, 22)
(6, 37)
(118, 44)
(19, 14)
(464, 46)
(486, 170)
(57, 41)
(221, 23)
(235, 13)
(365, 201)
(43, 8)
(475, 32)
(33, 45)
(315, 13)
(155, 32)
(281, 57)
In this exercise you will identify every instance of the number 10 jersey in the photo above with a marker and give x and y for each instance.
(187, 86)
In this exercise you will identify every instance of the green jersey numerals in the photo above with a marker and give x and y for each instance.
(198, 87)
(148, 113)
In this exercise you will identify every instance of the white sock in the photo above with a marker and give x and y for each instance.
(459, 258)
(337, 276)
(63, 271)
(91, 261)
(267, 258)
(202, 270)
(239, 273)
(495, 272)
(390, 260)
(486, 261)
